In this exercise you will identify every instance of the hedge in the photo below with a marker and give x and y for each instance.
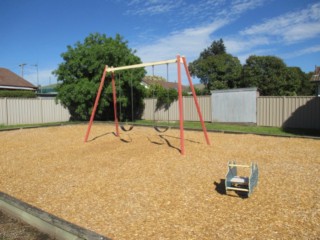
(17, 94)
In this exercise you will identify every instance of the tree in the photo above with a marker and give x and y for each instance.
(293, 80)
(215, 68)
(273, 78)
(216, 48)
(307, 88)
(164, 96)
(268, 73)
(81, 71)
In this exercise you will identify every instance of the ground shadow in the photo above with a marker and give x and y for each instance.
(179, 138)
(221, 189)
(102, 135)
(129, 140)
(155, 142)
(305, 120)
(163, 141)
(168, 142)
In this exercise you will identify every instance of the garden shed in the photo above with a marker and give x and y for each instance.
(234, 105)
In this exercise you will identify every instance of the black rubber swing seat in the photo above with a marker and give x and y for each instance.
(126, 129)
(161, 129)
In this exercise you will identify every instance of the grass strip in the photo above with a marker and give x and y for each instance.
(223, 127)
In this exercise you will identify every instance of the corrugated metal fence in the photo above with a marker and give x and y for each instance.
(292, 112)
(14, 111)
(189, 109)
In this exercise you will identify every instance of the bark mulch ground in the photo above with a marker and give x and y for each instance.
(138, 186)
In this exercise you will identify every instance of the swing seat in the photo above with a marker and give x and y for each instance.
(126, 129)
(161, 129)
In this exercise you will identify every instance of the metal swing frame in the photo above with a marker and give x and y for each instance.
(178, 60)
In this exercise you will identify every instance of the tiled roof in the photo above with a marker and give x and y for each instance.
(166, 85)
(316, 76)
(9, 79)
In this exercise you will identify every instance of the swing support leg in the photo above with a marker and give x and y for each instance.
(114, 94)
(182, 151)
(96, 103)
(204, 129)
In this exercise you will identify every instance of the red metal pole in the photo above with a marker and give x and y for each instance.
(115, 104)
(96, 103)
(180, 106)
(196, 100)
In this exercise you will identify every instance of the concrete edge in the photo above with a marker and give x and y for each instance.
(43, 221)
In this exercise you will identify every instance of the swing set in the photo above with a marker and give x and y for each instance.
(178, 60)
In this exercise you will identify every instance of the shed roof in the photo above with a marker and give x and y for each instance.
(10, 80)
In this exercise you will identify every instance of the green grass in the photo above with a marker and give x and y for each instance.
(197, 125)
(32, 125)
(241, 128)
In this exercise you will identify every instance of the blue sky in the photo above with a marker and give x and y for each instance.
(38, 31)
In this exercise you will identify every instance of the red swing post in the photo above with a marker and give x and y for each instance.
(196, 101)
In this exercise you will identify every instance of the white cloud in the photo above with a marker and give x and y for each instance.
(189, 42)
(238, 45)
(290, 27)
(45, 77)
(240, 6)
(301, 52)
(151, 7)
(302, 31)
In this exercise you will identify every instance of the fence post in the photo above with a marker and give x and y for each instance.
(7, 115)
(283, 108)
(41, 109)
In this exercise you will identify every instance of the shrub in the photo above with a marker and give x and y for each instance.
(17, 94)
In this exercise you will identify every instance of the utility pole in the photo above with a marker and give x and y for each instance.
(36, 65)
(22, 66)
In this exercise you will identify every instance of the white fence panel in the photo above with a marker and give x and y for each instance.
(15, 111)
(189, 109)
(53, 112)
(3, 111)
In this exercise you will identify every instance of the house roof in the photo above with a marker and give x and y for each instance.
(316, 76)
(166, 85)
(10, 80)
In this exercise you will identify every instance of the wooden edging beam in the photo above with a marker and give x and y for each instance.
(43, 221)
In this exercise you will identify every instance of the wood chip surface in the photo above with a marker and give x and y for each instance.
(138, 186)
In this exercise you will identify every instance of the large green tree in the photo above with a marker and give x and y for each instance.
(273, 78)
(293, 79)
(306, 87)
(215, 68)
(80, 72)
(268, 73)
